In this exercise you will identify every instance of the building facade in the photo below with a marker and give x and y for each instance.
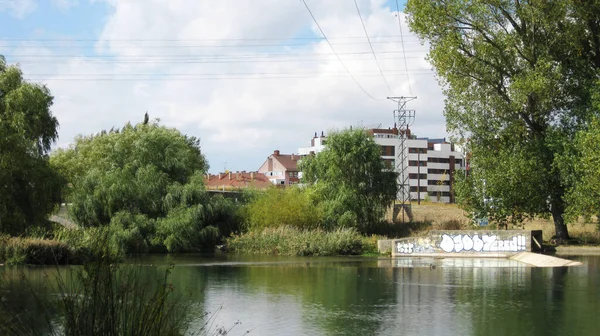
(431, 163)
(281, 169)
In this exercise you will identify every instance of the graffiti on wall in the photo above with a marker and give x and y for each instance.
(419, 245)
(485, 243)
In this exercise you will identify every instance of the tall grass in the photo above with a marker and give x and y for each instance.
(287, 240)
(99, 298)
(34, 251)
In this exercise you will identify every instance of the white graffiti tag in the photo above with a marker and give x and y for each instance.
(487, 243)
(406, 248)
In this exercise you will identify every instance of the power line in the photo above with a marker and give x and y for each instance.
(180, 45)
(402, 42)
(371, 46)
(199, 56)
(192, 40)
(224, 74)
(336, 54)
(109, 79)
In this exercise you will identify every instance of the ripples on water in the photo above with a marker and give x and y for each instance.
(370, 296)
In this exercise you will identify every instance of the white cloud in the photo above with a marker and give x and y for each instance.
(241, 121)
(18, 8)
(65, 4)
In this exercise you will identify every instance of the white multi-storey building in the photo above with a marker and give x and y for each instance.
(431, 163)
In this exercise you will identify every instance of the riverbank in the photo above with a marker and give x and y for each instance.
(287, 240)
(438, 215)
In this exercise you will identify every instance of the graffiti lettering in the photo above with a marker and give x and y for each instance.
(487, 243)
(406, 248)
(419, 245)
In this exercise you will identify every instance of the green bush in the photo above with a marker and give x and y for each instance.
(277, 207)
(287, 240)
(34, 251)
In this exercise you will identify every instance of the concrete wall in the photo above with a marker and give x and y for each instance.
(469, 243)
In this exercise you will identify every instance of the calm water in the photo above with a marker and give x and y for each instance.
(369, 296)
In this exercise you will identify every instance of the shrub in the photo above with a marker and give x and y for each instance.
(277, 207)
(287, 240)
(452, 224)
(35, 251)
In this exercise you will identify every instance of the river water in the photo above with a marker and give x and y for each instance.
(272, 295)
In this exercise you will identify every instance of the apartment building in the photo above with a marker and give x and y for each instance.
(431, 163)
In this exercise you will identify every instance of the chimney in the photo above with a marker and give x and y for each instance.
(293, 157)
(229, 176)
(276, 152)
(252, 176)
(315, 134)
(322, 134)
(220, 176)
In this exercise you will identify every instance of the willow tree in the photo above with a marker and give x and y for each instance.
(349, 181)
(145, 182)
(29, 188)
(517, 76)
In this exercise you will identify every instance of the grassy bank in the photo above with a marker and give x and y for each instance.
(439, 215)
(287, 240)
(36, 251)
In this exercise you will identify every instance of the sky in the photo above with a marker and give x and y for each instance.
(247, 77)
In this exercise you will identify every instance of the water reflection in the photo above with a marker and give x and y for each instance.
(357, 296)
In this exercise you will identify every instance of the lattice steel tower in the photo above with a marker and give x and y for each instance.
(404, 119)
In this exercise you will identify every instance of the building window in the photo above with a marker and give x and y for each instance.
(388, 151)
(437, 171)
(414, 189)
(388, 163)
(438, 182)
(412, 163)
(417, 176)
(423, 163)
(438, 160)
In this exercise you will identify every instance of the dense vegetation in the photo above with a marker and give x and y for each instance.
(29, 188)
(145, 183)
(519, 78)
(350, 182)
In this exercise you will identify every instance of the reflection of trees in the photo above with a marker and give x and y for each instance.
(341, 299)
(530, 301)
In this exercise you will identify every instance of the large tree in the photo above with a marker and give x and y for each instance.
(29, 188)
(351, 183)
(517, 76)
(146, 183)
(584, 196)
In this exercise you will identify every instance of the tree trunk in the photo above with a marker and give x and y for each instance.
(560, 228)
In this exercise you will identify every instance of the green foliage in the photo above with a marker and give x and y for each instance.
(584, 197)
(145, 182)
(276, 207)
(351, 184)
(33, 251)
(29, 188)
(518, 77)
(287, 240)
(99, 298)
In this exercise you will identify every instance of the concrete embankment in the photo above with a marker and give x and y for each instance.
(516, 245)
(542, 260)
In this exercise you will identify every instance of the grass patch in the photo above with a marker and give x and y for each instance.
(34, 251)
(287, 240)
